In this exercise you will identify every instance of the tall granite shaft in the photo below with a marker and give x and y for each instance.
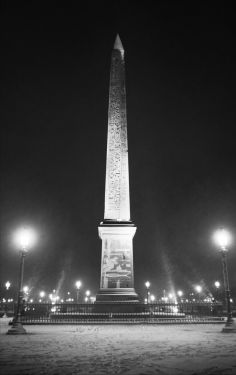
(117, 203)
(117, 231)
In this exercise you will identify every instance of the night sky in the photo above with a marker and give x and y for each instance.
(180, 82)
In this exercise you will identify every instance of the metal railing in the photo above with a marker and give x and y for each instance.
(116, 312)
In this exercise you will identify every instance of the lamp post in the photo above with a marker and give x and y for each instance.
(222, 239)
(198, 289)
(78, 286)
(147, 284)
(217, 287)
(24, 238)
(180, 295)
(7, 285)
(87, 298)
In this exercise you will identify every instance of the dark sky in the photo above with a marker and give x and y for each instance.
(180, 81)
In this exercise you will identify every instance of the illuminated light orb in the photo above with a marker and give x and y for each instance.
(222, 238)
(78, 284)
(217, 284)
(175, 309)
(25, 289)
(25, 238)
(180, 293)
(198, 288)
(147, 284)
(7, 285)
(42, 294)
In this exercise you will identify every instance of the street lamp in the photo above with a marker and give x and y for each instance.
(198, 288)
(87, 293)
(78, 286)
(147, 284)
(216, 292)
(222, 239)
(7, 285)
(42, 294)
(25, 238)
(179, 296)
(217, 284)
(152, 298)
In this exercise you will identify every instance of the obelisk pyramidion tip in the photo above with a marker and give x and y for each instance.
(118, 45)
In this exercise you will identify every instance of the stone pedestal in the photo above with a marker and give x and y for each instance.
(117, 275)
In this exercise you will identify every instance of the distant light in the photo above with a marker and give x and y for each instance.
(7, 285)
(170, 295)
(198, 288)
(31, 300)
(42, 294)
(78, 284)
(222, 238)
(152, 297)
(25, 289)
(217, 284)
(25, 238)
(87, 293)
(165, 299)
(147, 284)
(86, 299)
(180, 293)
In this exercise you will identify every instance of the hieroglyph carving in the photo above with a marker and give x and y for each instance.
(117, 205)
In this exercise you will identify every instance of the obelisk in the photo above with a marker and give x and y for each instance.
(117, 230)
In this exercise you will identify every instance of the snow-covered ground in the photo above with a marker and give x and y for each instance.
(118, 349)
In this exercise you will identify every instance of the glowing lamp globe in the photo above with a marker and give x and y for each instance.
(147, 284)
(217, 284)
(198, 288)
(222, 238)
(7, 285)
(152, 297)
(25, 238)
(78, 284)
(26, 289)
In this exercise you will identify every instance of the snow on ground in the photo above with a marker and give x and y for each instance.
(118, 349)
